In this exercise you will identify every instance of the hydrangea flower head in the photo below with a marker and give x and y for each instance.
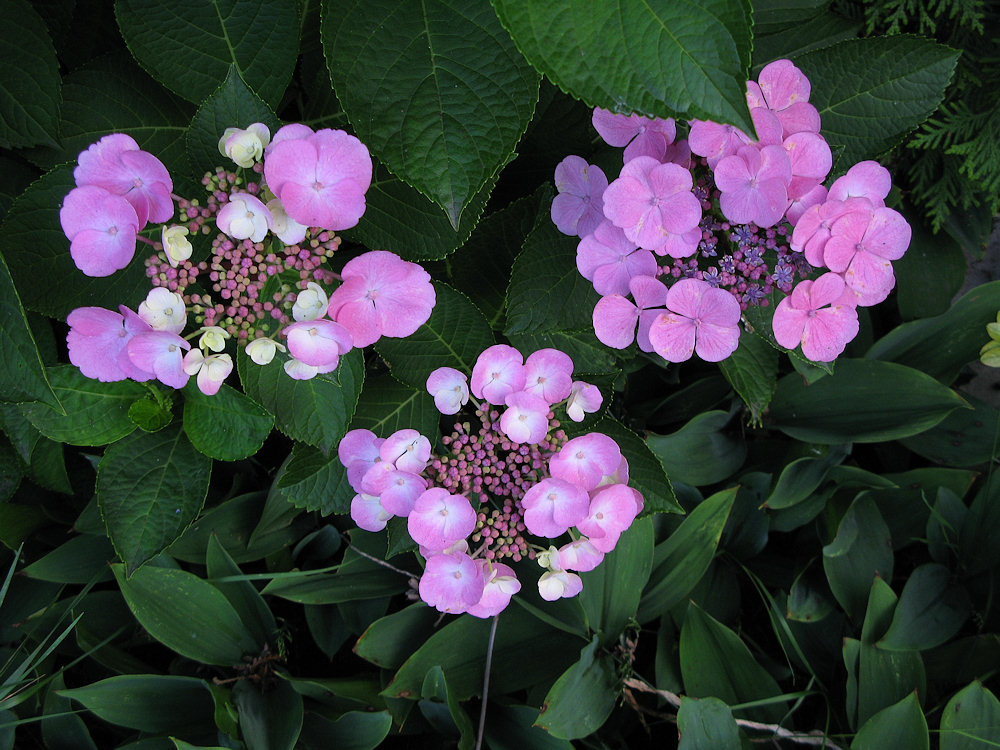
(610, 260)
(321, 177)
(641, 136)
(382, 295)
(579, 206)
(754, 185)
(815, 316)
(699, 318)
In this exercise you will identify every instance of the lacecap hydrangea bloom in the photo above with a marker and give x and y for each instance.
(508, 489)
(693, 232)
(267, 286)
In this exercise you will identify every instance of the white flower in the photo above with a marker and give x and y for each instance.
(175, 244)
(311, 303)
(163, 310)
(245, 146)
(261, 351)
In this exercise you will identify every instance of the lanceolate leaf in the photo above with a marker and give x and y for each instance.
(29, 79)
(582, 698)
(900, 725)
(872, 92)
(151, 703)
(971, 719)
(658, 59)
(190, 44)
(436, 89)
(314, 411)
(150, 487)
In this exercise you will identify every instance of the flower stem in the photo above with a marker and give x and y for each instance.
(486, 682)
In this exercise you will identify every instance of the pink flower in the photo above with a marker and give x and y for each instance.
(612, 510)
(641, 136)
(211, 370)
(367, 512)
(784, 90)
(401, 490)
(653, 202)
(101, 228)
(610, 260)
(579, 207)
(804, 318)
(586, 460)
(866, 179)
(358, 451)
(553, 505)
(243, 217)
(321, 178)
(161, 353)
(116, 164)
(700, 319)
(318, 343)
(559, 584)
(439, 519)
(526, 418)
(450, 389)
(580, 555)
(382, 295)
(452, 582)
(715, 141)
(407, 450)
(97, 340)
(615, 317)
(754, 185)
(584, 398)
(548, 375)
(501, 585)
(498, 372)
(861, 245)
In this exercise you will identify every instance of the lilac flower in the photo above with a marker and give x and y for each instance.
(452, 582)
(439, 519)
(406, 450)
(96, 342)
(609, 260)
(783, 89)
(754, 185)
(641, 136)
(700, 319)
(611, 511)
(866, 179)
(382, 295)
(526, 418)
(549, 375)
(450, 389)
(816, 316)
(321, 178)
(615, 317)
(553, 505)
(161, 353)
(498, 372)
(318, 343)
(367, 512)
(586, 459)
(861, 246)
(501, 585)
(584, 398)
(101, 228)
(579, 206)
(358, 451)
(211, 370)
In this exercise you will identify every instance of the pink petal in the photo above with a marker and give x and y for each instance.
(672, 337)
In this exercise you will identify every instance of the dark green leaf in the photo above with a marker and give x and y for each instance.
(582, 698)
(929, 275)
(386, 405)
(227, 426)
(701, 452)
(437, 91)
(313, 481)
(800, 478)
(96, 413)
(22, 375)
(900, 725)
(189, 45)
(454, 336)
(707, 724)
(855, 406)
(186, 614)
(966, 437)
(390, 640)
(442, 711)
(242, 595)
(752, 370)
(150, 487)
(942, 345)
(232, 105)
(681, 561)
(931, 609)
(512, 728)
(37, 252)
(314, 411)
(334, 588)
(871, 92)
(29, 79)
(149, 415)
(76, 561)
(861, 551)
(684, 60)
(976, 549)
(971, 720)
(271, 720)
(646, 470)
(798, 37)
(354, 730)
(151, 703)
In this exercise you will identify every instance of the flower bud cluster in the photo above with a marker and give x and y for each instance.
(490, 496)
(689, 200)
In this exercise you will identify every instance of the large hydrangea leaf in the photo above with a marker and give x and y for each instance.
(436, 89)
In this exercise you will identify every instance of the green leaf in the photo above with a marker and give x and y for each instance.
(646, 473)
(512, 728)
(314, 411)
(929, 275)
(798, 37)
(271, 720)
(189, 45)
(966, 437)
(684, 60)
(971, 720)
(22, 374)
(232, 105)
(335, 588)
(111, 94)
(701, 452)
(354, 730)
(390, 640)
(582, 698)
(150, 703)
(96, 412)
(443, 712)
(800, 478)
(29, 79)
(871, 92)
(861, 551)
(313, 481)
(398, 218)
(855, 406)
(227, 426)
(242, 595)
(610, 605)
(186, 614)
(715, 662)
(707, 724)
(942, 345)
(900, 725)
(752, 370)
(75, 561)
(149, 415)
(546, 290)
(150, 487)
(681, 560)
(437, 91)
(541, 651)
(37, 253)
(386, 405)
(931, 609)
(454, 336)
(976, 550)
